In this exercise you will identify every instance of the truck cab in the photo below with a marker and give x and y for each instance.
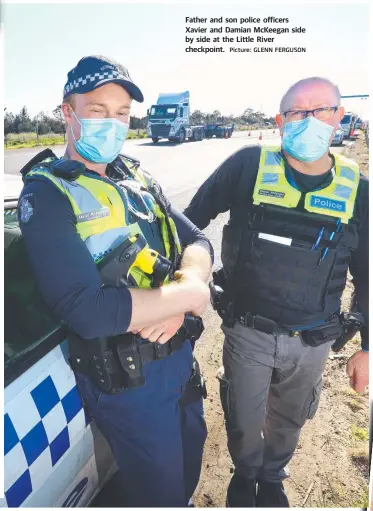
(170, 118)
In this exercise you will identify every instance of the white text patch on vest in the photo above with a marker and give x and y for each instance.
(270, 193)
(92, 215)
(323, 203)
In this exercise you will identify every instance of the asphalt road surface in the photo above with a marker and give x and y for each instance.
(179, 168)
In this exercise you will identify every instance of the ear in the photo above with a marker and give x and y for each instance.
(66, 110)
(341, 112)
(279, 120)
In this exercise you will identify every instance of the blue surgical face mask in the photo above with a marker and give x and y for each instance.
(306, 140)
(101, 140)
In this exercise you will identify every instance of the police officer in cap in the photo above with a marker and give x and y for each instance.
(127, 274)
(298, 223)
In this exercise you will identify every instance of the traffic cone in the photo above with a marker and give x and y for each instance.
(260, 136)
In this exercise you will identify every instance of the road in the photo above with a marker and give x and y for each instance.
(180, 169)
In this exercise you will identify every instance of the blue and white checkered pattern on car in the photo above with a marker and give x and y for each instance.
(40, 424)
(83, 80)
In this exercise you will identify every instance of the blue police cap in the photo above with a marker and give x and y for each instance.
(94, 71)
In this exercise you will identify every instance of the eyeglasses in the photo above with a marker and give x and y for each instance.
(323, 114)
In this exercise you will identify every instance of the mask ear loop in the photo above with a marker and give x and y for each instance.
(71, 127)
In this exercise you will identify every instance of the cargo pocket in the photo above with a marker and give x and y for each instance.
(313, 401)
(224, 395)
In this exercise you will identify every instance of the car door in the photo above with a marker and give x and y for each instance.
(53, 453)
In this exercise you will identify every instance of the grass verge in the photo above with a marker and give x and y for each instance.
(24, 140)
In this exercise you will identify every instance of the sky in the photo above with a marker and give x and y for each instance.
(42, 42)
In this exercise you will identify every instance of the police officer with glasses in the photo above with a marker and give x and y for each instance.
(298, 223)
(127, 274)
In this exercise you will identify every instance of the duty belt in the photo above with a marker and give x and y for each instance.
(265, 325)
(117, 363)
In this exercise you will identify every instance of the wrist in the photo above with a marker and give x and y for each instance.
(190, 273)
(185, 293)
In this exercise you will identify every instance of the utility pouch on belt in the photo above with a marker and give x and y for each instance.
(351, 323)
(219, 299)
(322, 333)
(195, 388)
(341, 329)
(194, 328)
(88, 357)
(114, 366)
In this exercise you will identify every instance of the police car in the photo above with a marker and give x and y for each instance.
(54, 455)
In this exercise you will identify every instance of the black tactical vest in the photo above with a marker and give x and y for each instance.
(288, 284)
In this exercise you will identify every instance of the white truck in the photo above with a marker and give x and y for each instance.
(170, 118)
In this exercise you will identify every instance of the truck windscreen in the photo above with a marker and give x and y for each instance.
(163, 112)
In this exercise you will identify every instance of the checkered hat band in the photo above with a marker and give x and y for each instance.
(90, 78)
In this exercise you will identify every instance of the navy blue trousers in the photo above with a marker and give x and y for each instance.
(157, 444)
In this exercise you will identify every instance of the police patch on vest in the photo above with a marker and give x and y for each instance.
(324, 203)
(92, 215)
(271, 193)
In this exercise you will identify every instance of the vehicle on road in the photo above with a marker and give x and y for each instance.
(348, 124)
(358, 123)
(54, 455)
(338, 137)
(218, 130)
(170, 118)
(365, 128)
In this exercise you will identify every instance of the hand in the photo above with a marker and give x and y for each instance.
(358, 371)
(161, 332)
(197, 290)
(187, 273)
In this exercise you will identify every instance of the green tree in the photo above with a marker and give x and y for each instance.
(9, 120)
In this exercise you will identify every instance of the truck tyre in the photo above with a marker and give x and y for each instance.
(155, 139)
(182, 136)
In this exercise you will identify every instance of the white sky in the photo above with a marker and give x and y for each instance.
(44, 41)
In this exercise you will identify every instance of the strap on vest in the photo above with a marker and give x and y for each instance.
(159, 199)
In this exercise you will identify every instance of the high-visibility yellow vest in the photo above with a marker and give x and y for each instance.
(336, 200)
(101, 210)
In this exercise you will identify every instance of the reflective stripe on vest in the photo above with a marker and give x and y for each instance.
(102, 216)
(335, 200)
